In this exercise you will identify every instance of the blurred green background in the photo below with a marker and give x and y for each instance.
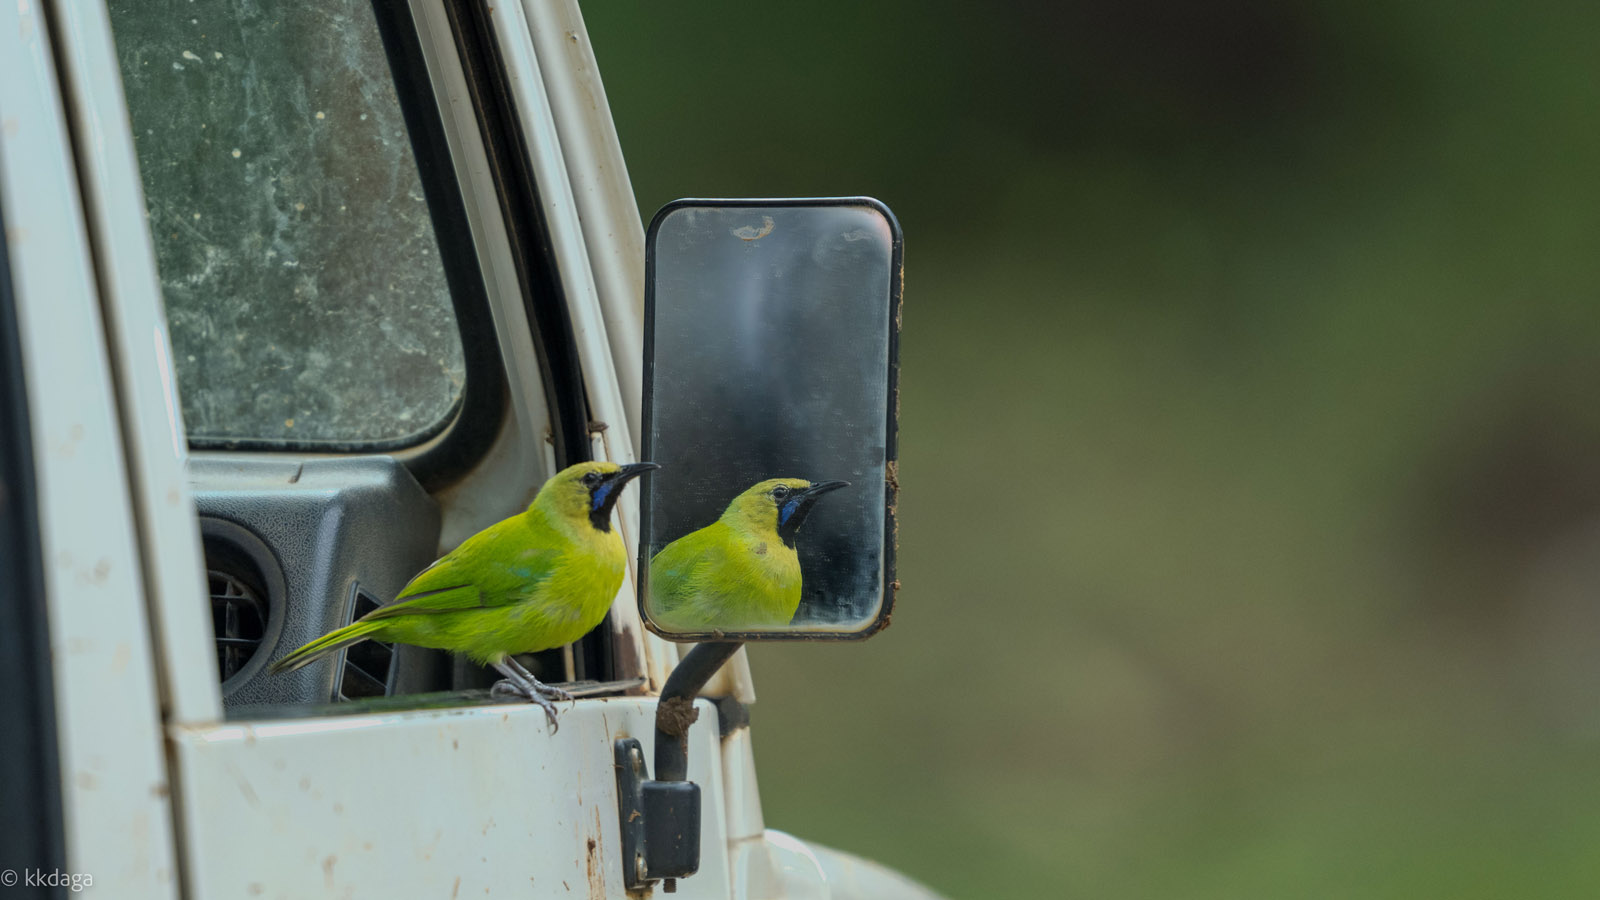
(1250, 450)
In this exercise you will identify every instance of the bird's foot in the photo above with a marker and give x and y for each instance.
(505, 687)
(553, 692)
(523, 685)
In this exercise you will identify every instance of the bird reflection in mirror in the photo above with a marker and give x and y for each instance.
(741, 572)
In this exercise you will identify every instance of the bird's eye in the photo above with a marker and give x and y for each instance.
(780, 492)
(591, 478)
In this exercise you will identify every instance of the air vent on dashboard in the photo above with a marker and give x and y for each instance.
(247, 593)
(368, 666)
(239, 619)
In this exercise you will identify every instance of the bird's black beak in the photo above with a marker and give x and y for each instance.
(603, 498)
(631, 471)
(794, 510)
(822, 487)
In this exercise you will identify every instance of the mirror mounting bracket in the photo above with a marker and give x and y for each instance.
(660, 819)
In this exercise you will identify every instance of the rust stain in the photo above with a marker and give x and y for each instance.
(455, 888)
(245, 789)
(675, 715)
(900, 304)
(626, 651)
(327, 869)
(593, 863)
(752, 233)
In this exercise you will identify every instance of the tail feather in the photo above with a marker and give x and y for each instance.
(328, 644)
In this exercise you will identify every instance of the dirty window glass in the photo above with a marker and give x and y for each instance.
(303, 282)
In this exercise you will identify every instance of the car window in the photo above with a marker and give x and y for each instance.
(304, 289)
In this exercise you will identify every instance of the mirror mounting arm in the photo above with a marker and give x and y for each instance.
(660, 819)
(675, 710)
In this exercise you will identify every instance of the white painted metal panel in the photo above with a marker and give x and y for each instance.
(130, 296)
(776, 865)
(588, 322)
(743, 811)
(612, 233)
(850, 877)
(612, 237)
(519, 460)
(470, 802)
(115, 790)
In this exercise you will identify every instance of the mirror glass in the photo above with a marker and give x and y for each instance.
(770, 363)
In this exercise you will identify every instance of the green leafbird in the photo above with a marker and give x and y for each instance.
(540, 579)
(741, 571)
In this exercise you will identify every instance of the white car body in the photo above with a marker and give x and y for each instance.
(161, 796)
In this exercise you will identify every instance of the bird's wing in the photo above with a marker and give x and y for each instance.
(480, 576)
(672, 568)
(686, 571)
(440, 600)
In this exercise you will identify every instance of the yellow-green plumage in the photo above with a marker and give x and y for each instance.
(540, 579)
(741, 571)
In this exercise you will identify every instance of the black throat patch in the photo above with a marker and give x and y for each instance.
(787, 530)
(601, 518)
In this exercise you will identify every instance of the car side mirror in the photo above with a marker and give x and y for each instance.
(770, 399)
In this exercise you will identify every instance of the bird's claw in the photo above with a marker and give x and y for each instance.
(505, 687)
(541, 694)
(554, 693)
(520, 682)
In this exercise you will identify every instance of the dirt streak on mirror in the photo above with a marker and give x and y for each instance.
(771, 352)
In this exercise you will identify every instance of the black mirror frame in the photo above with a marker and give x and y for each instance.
(891, 485)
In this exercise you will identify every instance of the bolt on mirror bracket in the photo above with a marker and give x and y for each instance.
(660, 820)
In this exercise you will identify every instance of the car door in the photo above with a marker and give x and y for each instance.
(366, 267)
